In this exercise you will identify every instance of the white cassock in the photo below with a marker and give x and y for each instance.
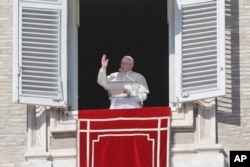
(138, 90)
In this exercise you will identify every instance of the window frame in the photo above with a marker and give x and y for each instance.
(70, 67)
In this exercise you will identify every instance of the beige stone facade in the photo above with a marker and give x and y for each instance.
(13, 124)
(233, 109)
(203, 133)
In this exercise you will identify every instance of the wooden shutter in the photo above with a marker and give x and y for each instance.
(199, 49)
(40, 60)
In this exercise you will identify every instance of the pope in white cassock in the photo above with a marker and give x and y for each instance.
(134, 91)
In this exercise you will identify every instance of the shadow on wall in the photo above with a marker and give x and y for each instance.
(228, 107)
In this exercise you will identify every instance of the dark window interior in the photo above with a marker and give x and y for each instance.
(119, 27)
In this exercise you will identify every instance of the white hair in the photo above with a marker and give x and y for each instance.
(130, 58)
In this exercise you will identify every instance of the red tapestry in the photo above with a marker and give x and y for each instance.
(124, 138)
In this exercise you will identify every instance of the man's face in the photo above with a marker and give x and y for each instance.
(126, 64)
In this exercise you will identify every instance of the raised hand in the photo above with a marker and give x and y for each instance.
(104, 61)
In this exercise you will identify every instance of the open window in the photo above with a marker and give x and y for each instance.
(117, 28)
(47, 63)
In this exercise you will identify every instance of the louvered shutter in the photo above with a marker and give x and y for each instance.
(40, 60)
(199, 49)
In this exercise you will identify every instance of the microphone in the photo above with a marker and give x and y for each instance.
(136, 86)
(131, 79)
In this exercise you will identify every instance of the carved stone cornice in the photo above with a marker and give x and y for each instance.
(207, 103)
(61, 122)
(184, 118)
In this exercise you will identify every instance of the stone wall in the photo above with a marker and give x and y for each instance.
(233, 114)
(13, 127)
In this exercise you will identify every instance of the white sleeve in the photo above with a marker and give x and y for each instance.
(102, 79)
